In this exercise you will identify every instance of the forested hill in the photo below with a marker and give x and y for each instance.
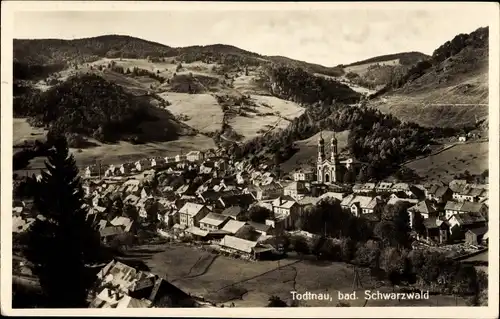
(465, 53)
(55, 51)
(405, 58)
(90, 106)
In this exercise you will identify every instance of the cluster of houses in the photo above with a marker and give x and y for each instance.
(144, 164)
(213, 203)
(121, 286)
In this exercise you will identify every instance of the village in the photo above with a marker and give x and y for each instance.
(209, 199)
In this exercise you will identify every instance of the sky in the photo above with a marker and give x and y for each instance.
(327, 37)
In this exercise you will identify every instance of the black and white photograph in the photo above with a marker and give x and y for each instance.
(206, 158)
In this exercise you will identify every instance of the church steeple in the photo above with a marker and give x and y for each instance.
(321, 148)
(334, 150)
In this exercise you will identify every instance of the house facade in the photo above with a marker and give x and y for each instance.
(191, 213)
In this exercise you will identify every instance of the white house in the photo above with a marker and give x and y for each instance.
(303, 176)
(194, 156)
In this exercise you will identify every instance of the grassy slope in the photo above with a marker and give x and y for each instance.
(202, 111)
(308, 150)
(444, 166)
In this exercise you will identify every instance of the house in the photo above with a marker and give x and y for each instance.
(261, 228)
(462, 138)
(308, 201)
(108, 233)
(436, 230)
(131, 186)
(359, 205)
(383, 187)
(363, 188)
(126, 223)
(232, 226)
(393, 199)
(111, 171)
(121, 276)
(466, 221)
(231, 199)
(191, 213)
(441, 194)
(268, 191)
(213, 221)
(234, 212)
(425, 208)
(457, 185)
(194, 156)
(92, 170)
(470, 194)
(475, 236)
(249, 249)
(142, 165)
(180, 158)
(333, 195)
(108, 298)
(126, 168)
(295, 190)
(303, 176)
(451, 208)
(285, 206)
(158, 162)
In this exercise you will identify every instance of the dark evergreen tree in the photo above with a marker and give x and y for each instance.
(275, 301)
(62, 242)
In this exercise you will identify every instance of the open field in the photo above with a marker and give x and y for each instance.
(116, 153)
(450, 106)
(270, 114)
(363, 68)
(202, 110)
(308, 150)
(22, 131)
(245, 84)
(471, 156)
(224, 280)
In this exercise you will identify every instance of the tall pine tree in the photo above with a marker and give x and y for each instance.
(62, 242)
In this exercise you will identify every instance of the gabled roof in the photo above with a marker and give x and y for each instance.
(232, 211)
(238, 243)
(364, 202)
(424, 207)
(335, 195)
(464, 206)
(191, 209)
(309, 200)
(259, 226)
(479, 231)
(469, 218)
(214, 219)
(233, 226)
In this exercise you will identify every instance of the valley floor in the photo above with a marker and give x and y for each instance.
(223, 280)
(113, 153)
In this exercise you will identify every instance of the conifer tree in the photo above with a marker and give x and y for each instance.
(61, 242)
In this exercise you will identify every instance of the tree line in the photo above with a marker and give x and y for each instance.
(381, 140)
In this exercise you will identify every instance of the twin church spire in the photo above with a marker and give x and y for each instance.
(333, 148)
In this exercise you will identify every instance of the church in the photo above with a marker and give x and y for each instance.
(329, 170)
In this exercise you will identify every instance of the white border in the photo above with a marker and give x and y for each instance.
(490, 12)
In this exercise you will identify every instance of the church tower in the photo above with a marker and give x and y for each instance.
(321, 149)
(321, 158)
(335, 166)
(333, 150)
